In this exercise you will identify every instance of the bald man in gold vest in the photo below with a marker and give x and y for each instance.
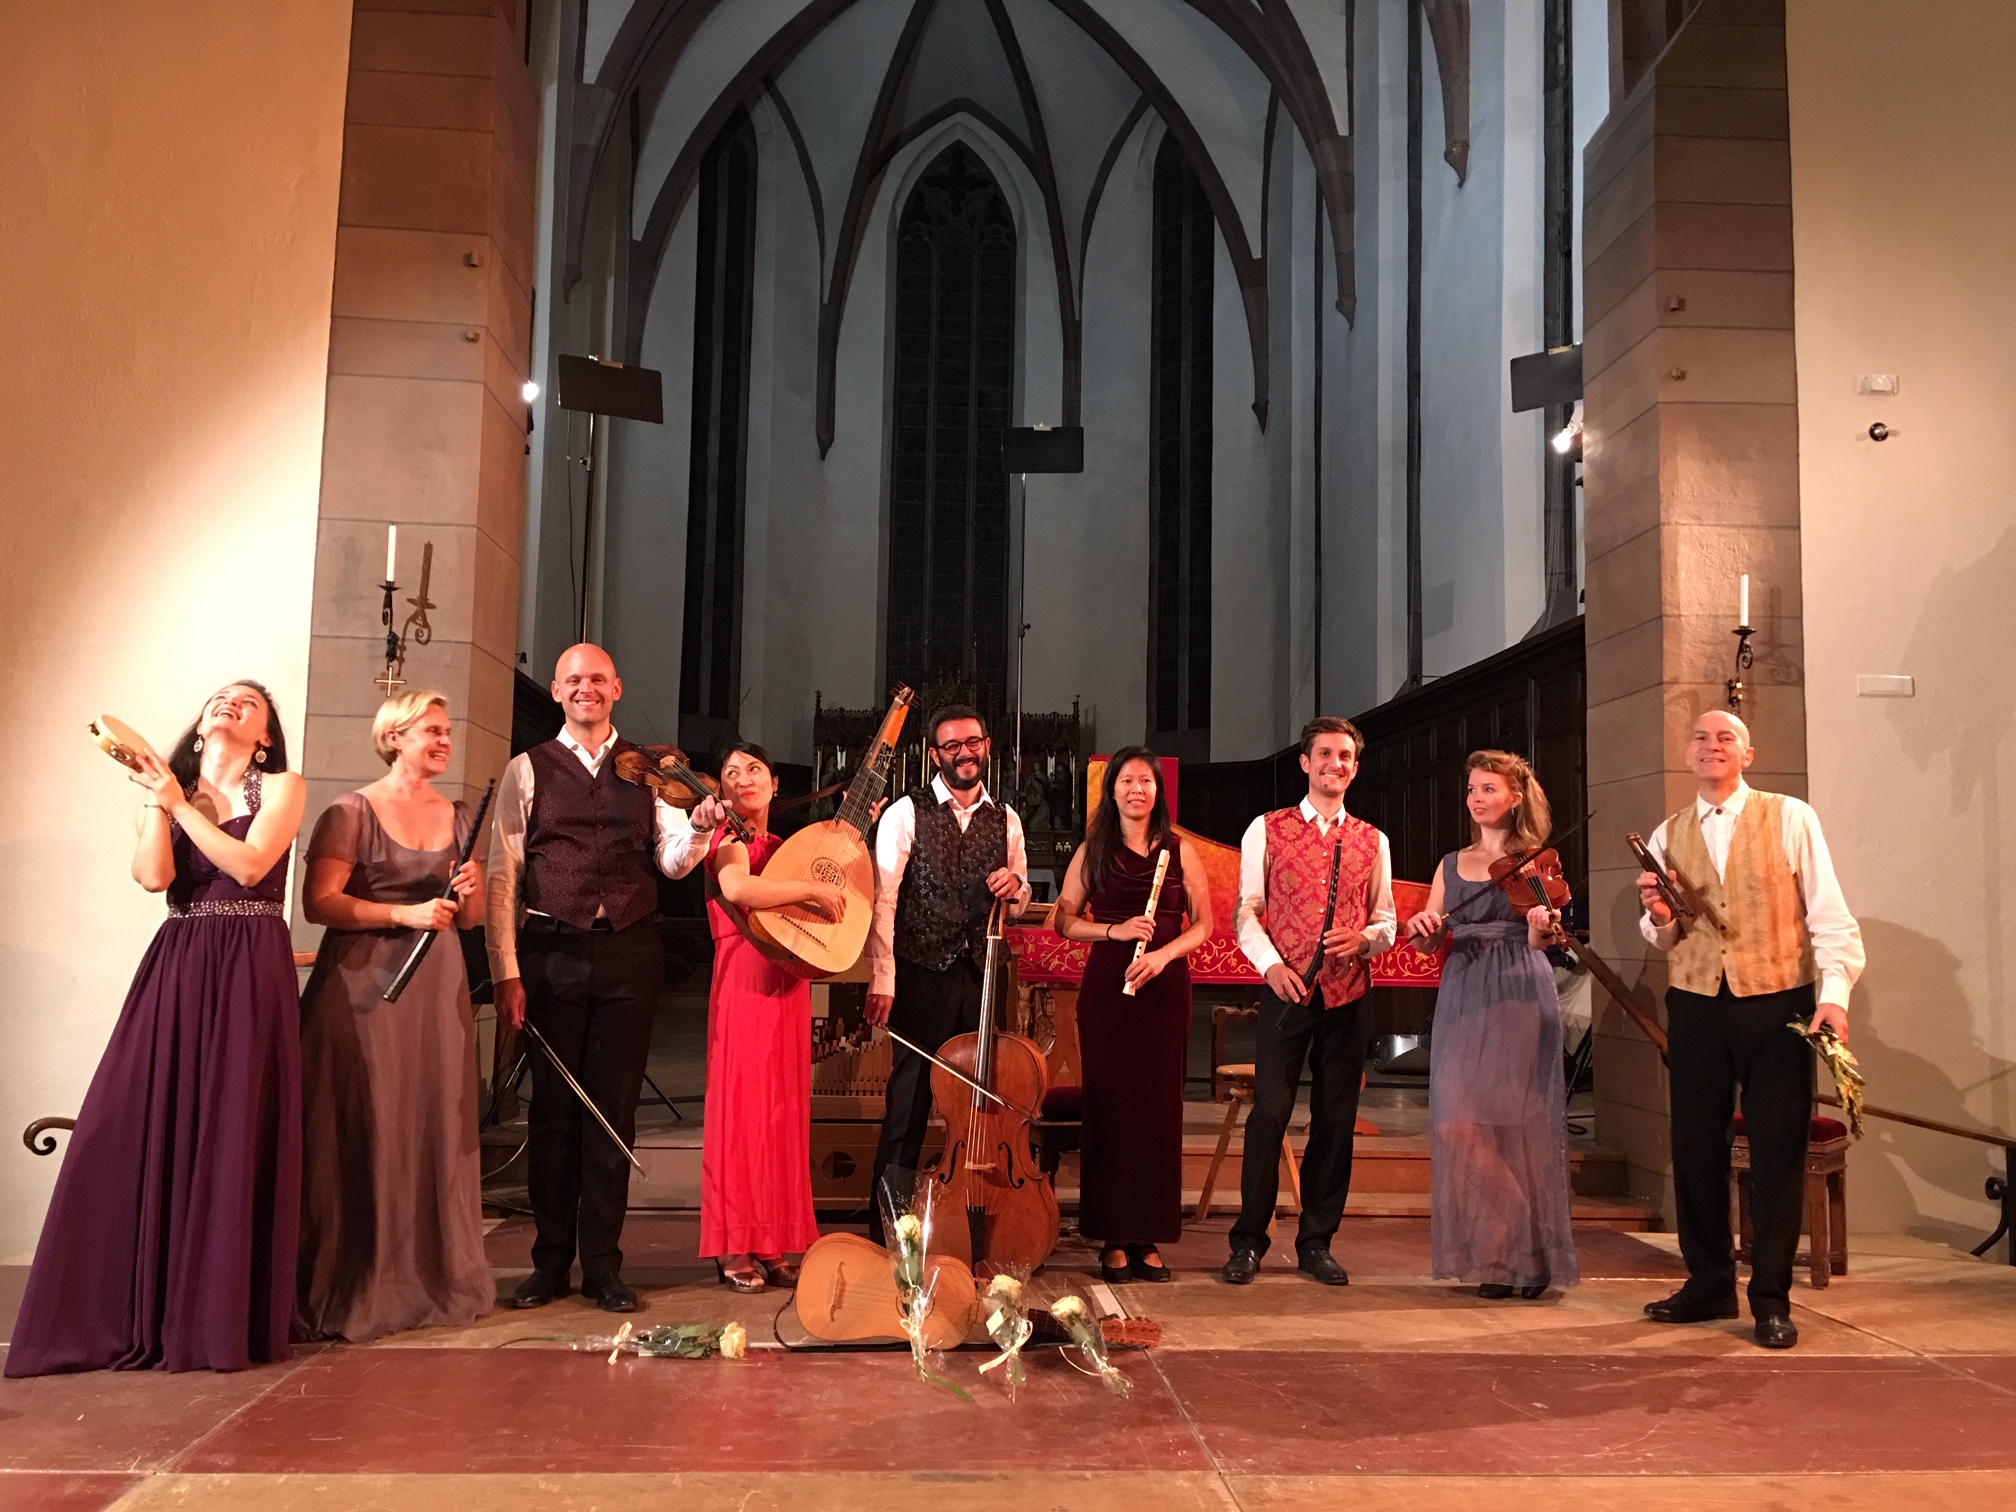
(1792, 951)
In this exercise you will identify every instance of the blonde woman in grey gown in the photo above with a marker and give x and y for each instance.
(392, 1216)
(1498, 1210)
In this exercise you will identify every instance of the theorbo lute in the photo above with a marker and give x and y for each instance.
(834, 851)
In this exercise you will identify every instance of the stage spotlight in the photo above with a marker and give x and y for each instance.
(1569, 437)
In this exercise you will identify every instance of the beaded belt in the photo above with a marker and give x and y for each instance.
(228, 908)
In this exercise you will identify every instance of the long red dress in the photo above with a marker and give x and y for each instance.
(756, 1137)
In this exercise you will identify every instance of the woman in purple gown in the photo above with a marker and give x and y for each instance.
(1135, 1047)
(170, 1241)
(1498, 1211)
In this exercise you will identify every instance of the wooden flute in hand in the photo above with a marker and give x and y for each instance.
(1154, 899)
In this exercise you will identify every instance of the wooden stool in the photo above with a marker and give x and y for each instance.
(1238, 1081)
(1826, 1198)
(1223, 1014)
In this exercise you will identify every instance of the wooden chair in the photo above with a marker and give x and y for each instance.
(1826, 1198)
(1238, 1081)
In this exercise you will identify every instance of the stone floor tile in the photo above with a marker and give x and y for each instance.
(1329, 1413)
(61, 1490)
(1037, 1490)
(536, 1411)
(1934, 1491)
(128, 1420)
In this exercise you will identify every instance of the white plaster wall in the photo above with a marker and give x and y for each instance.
(1902, 150)
(644, 513)
(176, 170)
(1249, 541)
(1087, 574)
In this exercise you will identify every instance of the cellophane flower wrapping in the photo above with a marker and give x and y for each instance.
(905, 1223)
(1008, 1324)
(1841, 1064)
(681, 1341)
(1076, 1319)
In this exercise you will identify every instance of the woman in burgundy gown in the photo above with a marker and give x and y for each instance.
(756, 1137)
(1135, 1048)
(170, 1241)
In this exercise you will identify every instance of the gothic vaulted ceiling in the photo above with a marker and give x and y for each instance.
(1062, 83)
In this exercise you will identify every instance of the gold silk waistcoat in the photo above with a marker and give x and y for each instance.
(1768, 948)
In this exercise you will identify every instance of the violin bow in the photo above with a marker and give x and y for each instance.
(916, 1049)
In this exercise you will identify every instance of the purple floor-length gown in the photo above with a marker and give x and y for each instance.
(170, 1242)
(1136, 1051)
(1497, 1111)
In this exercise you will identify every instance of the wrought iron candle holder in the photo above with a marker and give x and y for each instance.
(416, 631)
(1734, 688)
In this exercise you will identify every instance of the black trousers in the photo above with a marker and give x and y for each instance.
(1716, 1044)
(593, 994)
(1332, 1041)
(930, 1008)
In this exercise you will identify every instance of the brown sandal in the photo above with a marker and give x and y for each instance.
(780, 1272)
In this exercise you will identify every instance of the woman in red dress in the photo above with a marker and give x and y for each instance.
(1135, 1046)
(756, 1137)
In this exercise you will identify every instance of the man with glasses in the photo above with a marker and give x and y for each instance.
(943, 854)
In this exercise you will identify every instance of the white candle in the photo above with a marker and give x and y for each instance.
(392, 557)
(1742, 600)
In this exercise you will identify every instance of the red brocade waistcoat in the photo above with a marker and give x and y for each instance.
(1298, 885)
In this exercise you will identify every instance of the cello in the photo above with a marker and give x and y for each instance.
(988, 1175)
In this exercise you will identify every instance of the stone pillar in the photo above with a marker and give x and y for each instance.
(1690, 475)
(429, 345)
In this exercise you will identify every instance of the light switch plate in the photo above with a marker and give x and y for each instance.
(1883, 685)
(1876, 383)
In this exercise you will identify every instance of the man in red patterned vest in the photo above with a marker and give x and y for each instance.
(1314, 948)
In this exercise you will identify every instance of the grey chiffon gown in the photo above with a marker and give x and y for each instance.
(1497, 1110)
(391, 1200)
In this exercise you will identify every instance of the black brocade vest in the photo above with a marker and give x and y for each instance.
(588, 841)
(941, 908)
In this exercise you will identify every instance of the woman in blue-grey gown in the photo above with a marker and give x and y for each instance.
(1498, 1135)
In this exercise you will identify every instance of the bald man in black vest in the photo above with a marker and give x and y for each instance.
(573, 934)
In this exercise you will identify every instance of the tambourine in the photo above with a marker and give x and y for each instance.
(120, 741)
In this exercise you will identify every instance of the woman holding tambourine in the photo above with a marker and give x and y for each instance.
(170, 1240)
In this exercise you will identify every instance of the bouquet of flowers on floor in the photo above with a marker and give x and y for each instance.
(905, 1224)
(1007, 1324)
(1072, 1316)
(682, 1341)
(1847, 1071)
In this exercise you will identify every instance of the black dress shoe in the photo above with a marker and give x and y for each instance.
(1321, 1265)
(1241, 1268)
(1115, 1275)
(1493, 1291)
(1138, 1266)
(1777, 1331)
(1689, 1306)
(539, 1288)
(1533, 1293)
(610, 1293)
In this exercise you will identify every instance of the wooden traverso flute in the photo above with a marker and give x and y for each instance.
(1154, 900)
(426, 941)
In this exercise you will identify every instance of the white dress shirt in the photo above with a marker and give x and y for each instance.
(893, 841)
(678, 847)
(1837, 939)
(1254, 941)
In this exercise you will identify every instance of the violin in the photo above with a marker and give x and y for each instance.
(988, 1174)
(663, 769)
(1531, 879)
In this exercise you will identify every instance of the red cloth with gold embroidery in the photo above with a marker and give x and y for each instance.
(1043, 960)
(1298, 889)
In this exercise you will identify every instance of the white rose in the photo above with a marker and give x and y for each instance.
(734, 1341)
(1005, 1286)
(910, 1228)
(1066, 1308)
